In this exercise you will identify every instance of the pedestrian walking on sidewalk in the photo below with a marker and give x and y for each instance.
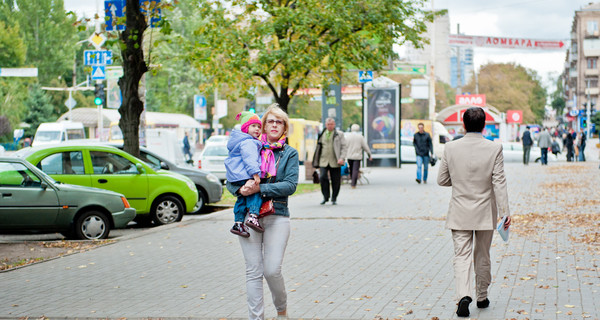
(330, 156)
(474, 167)
(263, 252)
(581, 144)
(569, 145)
(423, 147)
(544, 142)
(527, 143)
(356, 145)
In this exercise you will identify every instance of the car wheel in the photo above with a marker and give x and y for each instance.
(166, 209)
(201, 201)
(92, 225)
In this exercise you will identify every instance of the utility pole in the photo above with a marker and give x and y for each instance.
(588, 120)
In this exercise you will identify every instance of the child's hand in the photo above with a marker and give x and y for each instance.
(257, 179)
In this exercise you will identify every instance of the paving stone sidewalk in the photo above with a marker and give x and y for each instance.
(382, 252)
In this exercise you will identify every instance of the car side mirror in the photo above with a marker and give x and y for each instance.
(164, 166)
(43, 185)
(140, 168)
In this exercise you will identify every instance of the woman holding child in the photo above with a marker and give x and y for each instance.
(263, 251)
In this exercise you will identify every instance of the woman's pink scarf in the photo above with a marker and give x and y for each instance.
(268, 167)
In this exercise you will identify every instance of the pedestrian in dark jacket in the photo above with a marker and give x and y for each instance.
(423, 147)
(527, 142)
(569, 145)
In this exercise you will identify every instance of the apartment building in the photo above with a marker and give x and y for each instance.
(581, 64)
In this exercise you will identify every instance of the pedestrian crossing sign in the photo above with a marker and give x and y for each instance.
(98, 73)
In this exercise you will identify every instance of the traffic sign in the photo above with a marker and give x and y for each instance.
(151, 9)
(97, 57)
(70, 103)
(98, 72)
(113, 9)
(97, 40)
(200, 107)
(409, 68)
(365, 76)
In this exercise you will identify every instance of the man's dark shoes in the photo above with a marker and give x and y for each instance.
(463, 306)
(240, 230)
(483, 304)
(418, 181)
(333, 202)
(324, 201)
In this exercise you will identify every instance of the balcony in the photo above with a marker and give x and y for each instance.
(592, 91)
(591, 72)
(573, 73)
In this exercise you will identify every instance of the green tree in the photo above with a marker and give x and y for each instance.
(558, 100)
(509, 86)
(39, 109)
(45, 28)
(12, 47)
(288, 45)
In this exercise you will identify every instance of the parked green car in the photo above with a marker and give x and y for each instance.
(33, 201)
(159, 196)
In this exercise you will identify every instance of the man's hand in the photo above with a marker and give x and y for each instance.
(249, 183)
(507, 223)
(341, 162)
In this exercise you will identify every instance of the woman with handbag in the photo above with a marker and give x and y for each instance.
(263, 252)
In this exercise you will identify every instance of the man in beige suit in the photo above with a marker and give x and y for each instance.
(474, 167)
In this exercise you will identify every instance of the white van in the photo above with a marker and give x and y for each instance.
(164, 142)
(57, 132)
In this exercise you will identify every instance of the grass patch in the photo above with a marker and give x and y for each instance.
(229, 200)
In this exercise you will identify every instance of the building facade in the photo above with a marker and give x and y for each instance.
(580, 77)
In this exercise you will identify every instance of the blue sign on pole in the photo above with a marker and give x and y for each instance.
(114, 9)
(199, 107)
(98, 72)
(365, 76)
(97, 57)
(155, 12)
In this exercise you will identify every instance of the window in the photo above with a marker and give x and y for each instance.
(110, 163)
(592, 63)
(151, 160)
(592, 26)
(591, 83)
(17, 175)
(70, 162)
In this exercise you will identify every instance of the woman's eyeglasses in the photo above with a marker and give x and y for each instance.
(278, 122)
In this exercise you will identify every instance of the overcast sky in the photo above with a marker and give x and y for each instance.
(537, 19)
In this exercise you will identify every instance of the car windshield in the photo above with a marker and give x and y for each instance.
(43, 136)
(216, 150)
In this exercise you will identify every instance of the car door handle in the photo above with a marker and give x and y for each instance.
(102, 180)
(7, 195)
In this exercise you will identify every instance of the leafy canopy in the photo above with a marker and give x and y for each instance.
(288, 45)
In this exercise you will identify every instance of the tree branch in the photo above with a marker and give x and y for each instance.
(264, 77)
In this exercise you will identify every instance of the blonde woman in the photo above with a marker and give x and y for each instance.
(263, 252)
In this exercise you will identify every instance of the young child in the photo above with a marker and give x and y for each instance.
(243, 168)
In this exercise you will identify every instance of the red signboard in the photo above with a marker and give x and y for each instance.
(514, 116)
(458, 117)
(505, 42)
(471, 99)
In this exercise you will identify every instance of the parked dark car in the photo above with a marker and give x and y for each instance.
(33, 201)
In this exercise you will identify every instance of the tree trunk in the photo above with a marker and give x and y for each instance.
(283, 99)
(134, 68)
